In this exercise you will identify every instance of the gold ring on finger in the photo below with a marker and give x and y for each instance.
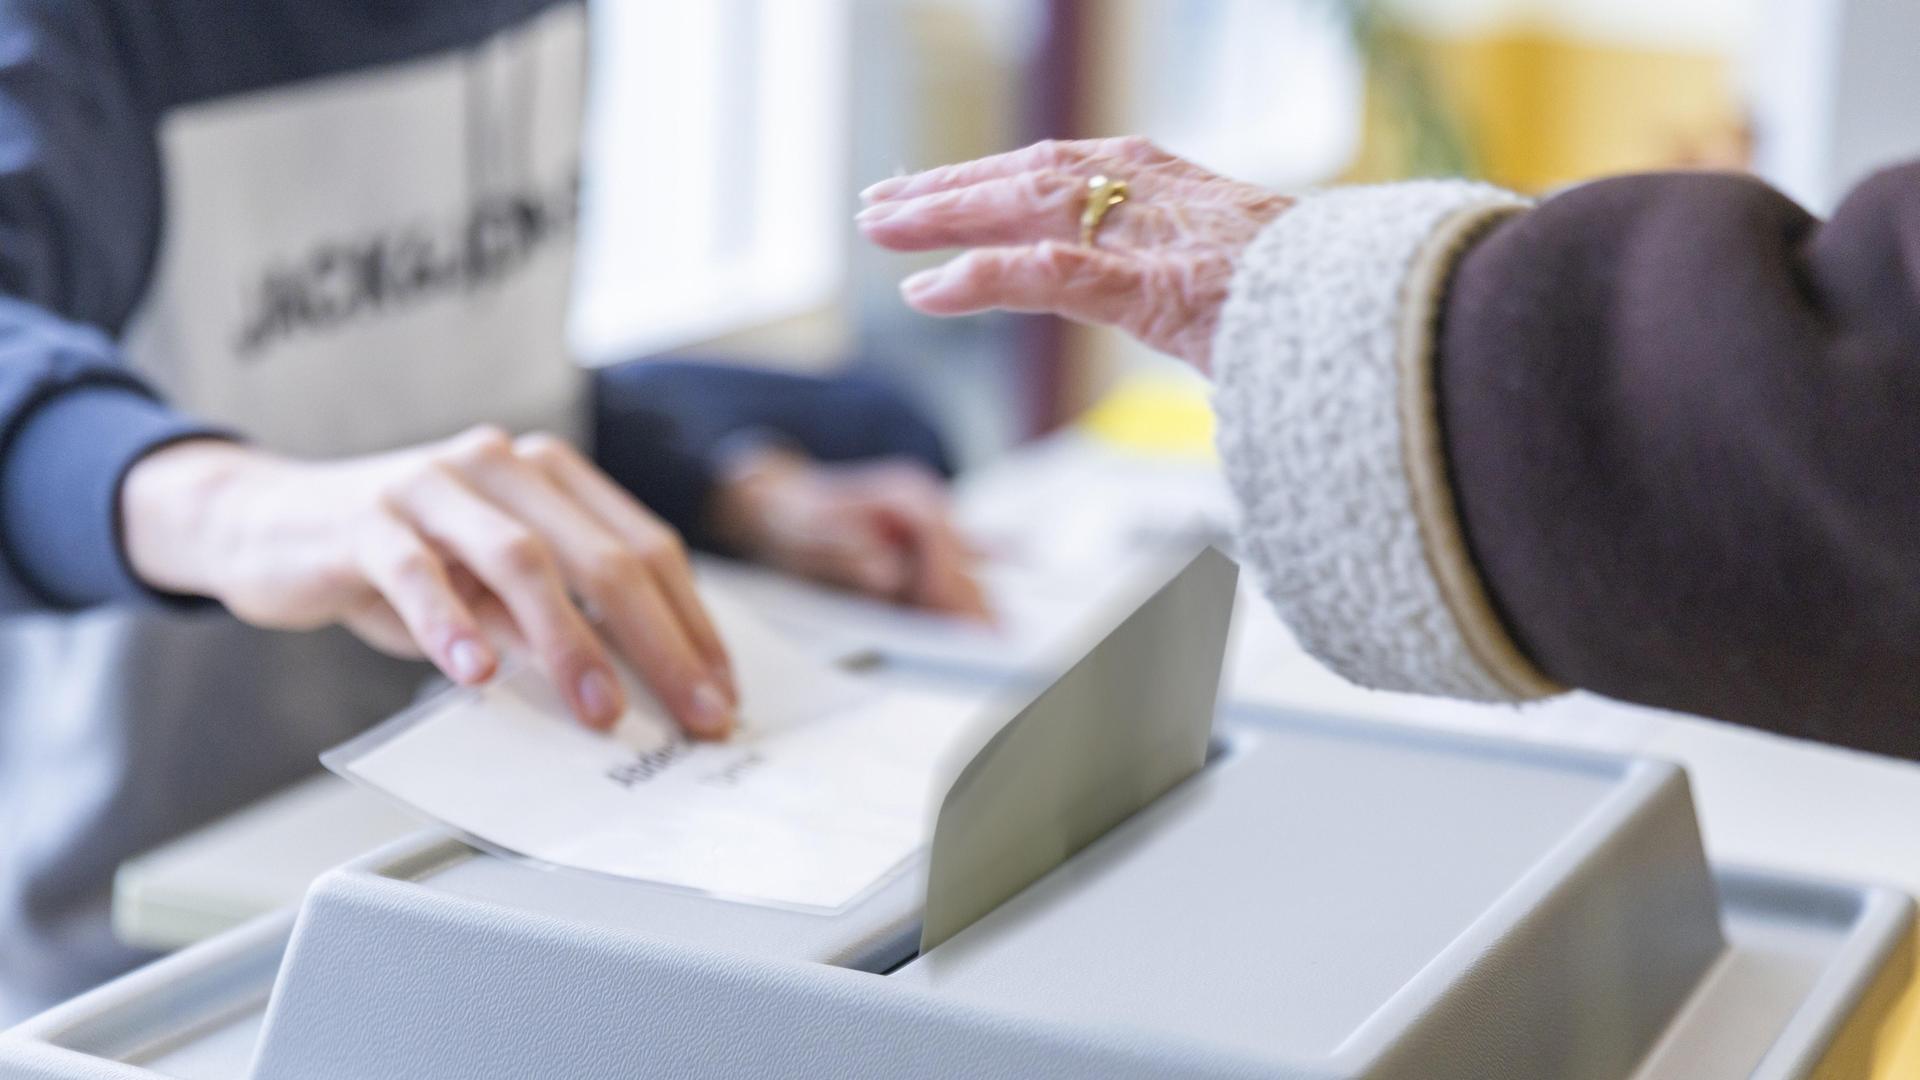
(1103, 194)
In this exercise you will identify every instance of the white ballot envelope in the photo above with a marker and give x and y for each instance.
(824, 791)
(820, 795)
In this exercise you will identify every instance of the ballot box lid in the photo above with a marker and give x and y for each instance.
(1324, 888)
(1327, 899)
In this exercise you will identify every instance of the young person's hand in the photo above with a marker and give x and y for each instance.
(422, 550)
(881, 528)
(1159, 266)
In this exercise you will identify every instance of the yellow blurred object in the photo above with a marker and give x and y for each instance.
(1538, 109)
(1889, 1049)
(1155, 414)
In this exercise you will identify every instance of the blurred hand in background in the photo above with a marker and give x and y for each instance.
(883, 527)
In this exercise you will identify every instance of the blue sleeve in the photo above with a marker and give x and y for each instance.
(659, 427)
(79, 220)
(83, 84)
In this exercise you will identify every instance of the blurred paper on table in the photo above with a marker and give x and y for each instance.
(820, 794)
(1034, 612)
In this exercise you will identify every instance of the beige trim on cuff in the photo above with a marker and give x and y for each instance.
(1434, 507)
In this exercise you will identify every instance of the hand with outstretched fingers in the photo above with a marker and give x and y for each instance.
(1160, 264)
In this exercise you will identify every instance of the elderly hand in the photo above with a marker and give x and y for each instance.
(1160, 265)
(882, 528)
(419, 550)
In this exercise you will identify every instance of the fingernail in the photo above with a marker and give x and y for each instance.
(597, 697)
(468, 660)
(922, 282)
(877, 213)
(884, 188)
(712, 716)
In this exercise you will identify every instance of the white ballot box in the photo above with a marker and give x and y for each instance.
(1116, 886)
(1322, 900)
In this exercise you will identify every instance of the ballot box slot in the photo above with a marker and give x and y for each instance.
(910, 957)
(426, 861)
(1222, 748)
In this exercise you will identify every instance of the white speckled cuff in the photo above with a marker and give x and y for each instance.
(1330, 435)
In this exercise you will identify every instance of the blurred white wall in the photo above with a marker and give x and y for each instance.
(1836, 92)
(1681, 24)
(1267, 90)
(716, 171)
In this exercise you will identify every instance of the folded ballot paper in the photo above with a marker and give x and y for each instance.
(820, 795)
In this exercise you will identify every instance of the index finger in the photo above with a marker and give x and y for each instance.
(616, 580)
(1052, 154)
(516, 567)
(634, 524)
(1085, 284)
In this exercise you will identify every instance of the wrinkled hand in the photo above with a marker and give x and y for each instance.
(882, 528)
(420, 550)
(1161, 263)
